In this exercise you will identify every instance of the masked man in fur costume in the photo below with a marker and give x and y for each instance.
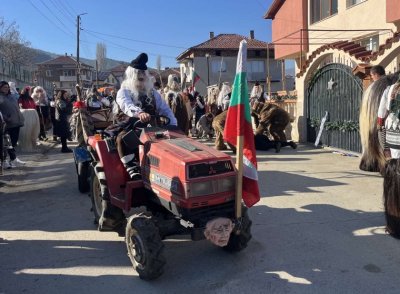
(373, 157)
(257, 94)
(177, 104)
(137, 100)
(389, 116)
(224, 98)
(272, 121)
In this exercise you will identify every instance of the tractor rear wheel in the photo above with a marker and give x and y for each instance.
(145, 248)
(238, 242)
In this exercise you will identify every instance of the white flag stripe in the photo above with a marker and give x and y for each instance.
(249, 170)
(242, 57)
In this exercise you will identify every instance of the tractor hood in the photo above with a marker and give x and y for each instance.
(189, 150)
(176, 145)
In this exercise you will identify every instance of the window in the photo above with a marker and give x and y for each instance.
(353, 2)
(256, 70)
(371, 43)
(68, 73)
(48, 73)
(321, 9)
(218, 66)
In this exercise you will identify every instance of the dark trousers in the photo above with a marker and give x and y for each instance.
(43, 112)
(14, 135)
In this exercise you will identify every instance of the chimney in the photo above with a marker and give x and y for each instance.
(252, 34)
(66, 54)
(211, 35)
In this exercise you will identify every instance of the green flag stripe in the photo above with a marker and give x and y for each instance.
(240, 94)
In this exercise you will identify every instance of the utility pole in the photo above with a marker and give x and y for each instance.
(78, 65)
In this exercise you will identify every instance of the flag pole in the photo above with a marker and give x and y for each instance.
(239, 180)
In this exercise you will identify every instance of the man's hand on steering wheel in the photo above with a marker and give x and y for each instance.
(144, 117)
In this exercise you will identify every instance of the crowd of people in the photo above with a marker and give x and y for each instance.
(28, 114)
(31, 113)
(140, 100)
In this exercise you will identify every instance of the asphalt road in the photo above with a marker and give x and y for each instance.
(319, 228)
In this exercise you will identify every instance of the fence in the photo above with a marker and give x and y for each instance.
(290, 105)
(22, 76)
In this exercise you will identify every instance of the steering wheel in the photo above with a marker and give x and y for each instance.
(140, 125)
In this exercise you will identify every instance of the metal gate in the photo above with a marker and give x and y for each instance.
(334, 89)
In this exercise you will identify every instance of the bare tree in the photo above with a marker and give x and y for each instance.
(12, 46)
(101, 55)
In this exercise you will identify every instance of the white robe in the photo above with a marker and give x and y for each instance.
(131, 106)
(391, 121)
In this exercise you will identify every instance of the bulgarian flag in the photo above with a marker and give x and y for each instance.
(195, 78)
(239, 132)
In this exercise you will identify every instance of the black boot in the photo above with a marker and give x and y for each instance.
(112, 217)
(132, 166)
(278, 147)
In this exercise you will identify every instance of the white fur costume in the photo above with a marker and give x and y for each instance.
(29, 133)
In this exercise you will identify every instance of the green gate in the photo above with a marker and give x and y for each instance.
(334, 89)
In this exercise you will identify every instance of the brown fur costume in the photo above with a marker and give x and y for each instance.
(391, 195)
(272, 121)
(372, 158)
(178, 107)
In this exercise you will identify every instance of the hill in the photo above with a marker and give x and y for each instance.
(42, 56)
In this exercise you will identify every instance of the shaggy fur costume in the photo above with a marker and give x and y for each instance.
(372, 158)
(391, 197)
(29, 133)
(272, 121)
(177, 104)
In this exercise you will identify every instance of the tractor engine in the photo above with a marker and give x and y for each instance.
(188, 177)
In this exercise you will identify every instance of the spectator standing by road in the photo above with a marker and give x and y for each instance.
(61, 119)
(42, 107)
(14, 121)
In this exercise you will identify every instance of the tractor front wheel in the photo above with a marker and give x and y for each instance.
(238, 241)
(145, 248)
(96, 195)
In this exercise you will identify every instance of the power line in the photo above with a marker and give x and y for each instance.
(45, 16)
(126, 48)
(66, 9)
(70, 7)
(51, 12)
(139, 41)
(62, 11)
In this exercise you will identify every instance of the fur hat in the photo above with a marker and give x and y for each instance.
(2, 83)
(140, 61)
(172, 78)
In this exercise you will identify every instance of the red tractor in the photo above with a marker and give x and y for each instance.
(184, 185)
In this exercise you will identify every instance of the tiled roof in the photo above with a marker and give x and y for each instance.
(227, 42)
(103, 75)
(62, 60)
(354, 49)
(121, 68)
(273, 9)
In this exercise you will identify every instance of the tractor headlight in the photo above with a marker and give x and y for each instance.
(212, 187)
(201, 188)
(227, 184)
